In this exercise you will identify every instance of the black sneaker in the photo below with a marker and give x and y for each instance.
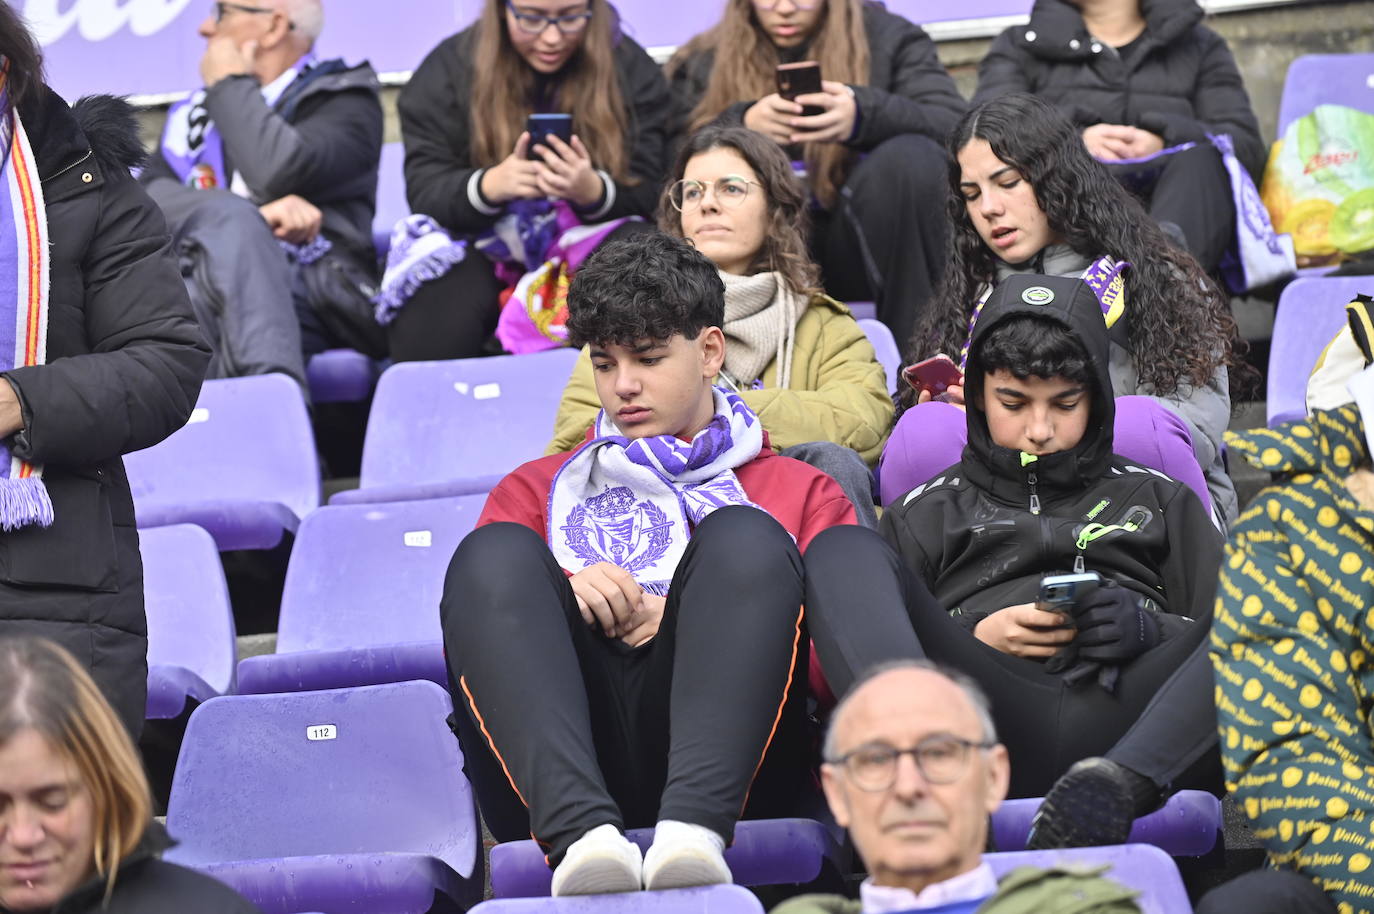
(1091, 804)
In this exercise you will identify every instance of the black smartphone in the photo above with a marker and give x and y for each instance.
(800, 78)
(542, 126)
(1062, 592)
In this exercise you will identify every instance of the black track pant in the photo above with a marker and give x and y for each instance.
(1194, 193)
(453, 316)
(1267, 892)
(584, 730)
(865, 607)
(885, 238)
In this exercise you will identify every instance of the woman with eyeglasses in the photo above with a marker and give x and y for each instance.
(518, 214)
(797, 357)
(871, 154)
(76, 828)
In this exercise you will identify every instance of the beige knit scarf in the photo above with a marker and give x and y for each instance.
(761, 316)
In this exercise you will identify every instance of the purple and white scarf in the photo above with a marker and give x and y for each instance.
(536, 246)
(24, 291)
(634, 502)
(191, 143)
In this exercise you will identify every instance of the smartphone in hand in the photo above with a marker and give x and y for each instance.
(936, 374)
(542, 126)
(800, 78)
(1062, 593)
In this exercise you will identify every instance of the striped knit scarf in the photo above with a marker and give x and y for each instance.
(23, 299)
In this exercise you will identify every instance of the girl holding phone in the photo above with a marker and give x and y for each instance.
(871, 156)
(1026, 196)
(505, 209)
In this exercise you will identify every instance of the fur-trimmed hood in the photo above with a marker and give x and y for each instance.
(101, 125)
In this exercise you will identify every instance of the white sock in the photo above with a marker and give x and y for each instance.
(670, 830)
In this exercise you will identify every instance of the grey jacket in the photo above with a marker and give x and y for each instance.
(321, 143)
(1206, 410)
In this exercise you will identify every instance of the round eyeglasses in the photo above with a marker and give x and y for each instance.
(535, 23)
(731, 190)
(941, 759)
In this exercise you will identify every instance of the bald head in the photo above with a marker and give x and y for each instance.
(913, 770)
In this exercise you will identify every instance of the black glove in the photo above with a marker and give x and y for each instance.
(1113, 625)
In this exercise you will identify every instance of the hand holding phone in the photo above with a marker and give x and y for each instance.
(542, 126)
(936, 375)
(1065, 592)
(800, 78)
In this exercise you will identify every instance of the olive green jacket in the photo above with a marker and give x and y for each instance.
(1063, 889)
(838, 391)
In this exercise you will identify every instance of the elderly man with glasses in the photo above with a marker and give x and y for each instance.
(268, 179)
(913, 770)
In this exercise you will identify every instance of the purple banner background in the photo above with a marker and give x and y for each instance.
(151, 46)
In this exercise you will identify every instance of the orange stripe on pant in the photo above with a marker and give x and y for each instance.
(782, 703)
(491, 743)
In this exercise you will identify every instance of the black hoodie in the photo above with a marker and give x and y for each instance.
(985, 531)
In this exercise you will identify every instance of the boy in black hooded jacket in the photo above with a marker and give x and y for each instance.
(956, 574)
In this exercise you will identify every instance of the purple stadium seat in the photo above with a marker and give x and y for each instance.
(341, 376)
(765, 852)
(1323, 79)
(1186, 826)
(191, 643)
(1147, 869)
(714, 899)
(455, 428)
(361, 600)
(1311, 311)
(392, 206)
(863, 310)
(243, 467)
(886, 348)
(343, 800)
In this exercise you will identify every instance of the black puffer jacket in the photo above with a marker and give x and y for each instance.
(908, 90)
(435, 124)
(1178, 79)
(147, 885)
(986, 530)
(125, 362)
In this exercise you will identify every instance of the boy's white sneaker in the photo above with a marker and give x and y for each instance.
(685, 855)
(600, 862)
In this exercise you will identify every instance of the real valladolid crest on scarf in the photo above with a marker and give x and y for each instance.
(24, 292)
(634, 502)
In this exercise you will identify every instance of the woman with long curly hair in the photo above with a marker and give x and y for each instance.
(1025, 196)
(504, 199)
(871, 154)
(797, 357)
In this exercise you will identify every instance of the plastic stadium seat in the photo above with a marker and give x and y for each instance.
(714, 899)
(361, 600)
(886, 348)
(191, 645)
(1139, 866)
(1311, 311)
(1188, 825)
(863, 310)
(765, 852)
(341, 376)
(243, 467)
(392, 206)
(1326, 79)
(455, 428)
(344, 800)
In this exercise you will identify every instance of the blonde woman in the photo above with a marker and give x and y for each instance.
(76, 827)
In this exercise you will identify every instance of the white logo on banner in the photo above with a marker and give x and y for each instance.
(97, 20)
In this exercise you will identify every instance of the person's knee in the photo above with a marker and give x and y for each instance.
(739, 534)
(485, 556)
(836, 460)
(902, 166)
(831, 551)
(222, 214)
